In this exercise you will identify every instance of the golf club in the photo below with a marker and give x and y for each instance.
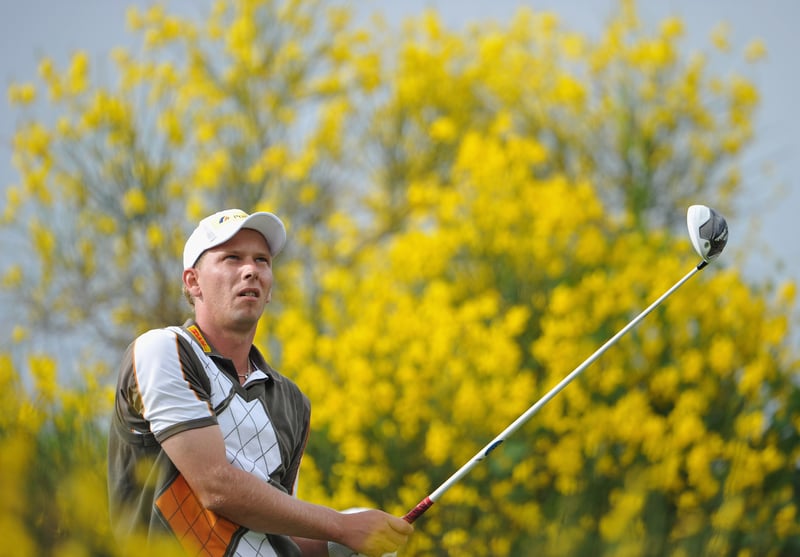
(709, 234)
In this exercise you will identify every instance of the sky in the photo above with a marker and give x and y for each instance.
(763, 235)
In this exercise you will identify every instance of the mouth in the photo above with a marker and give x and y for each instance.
(249, 293)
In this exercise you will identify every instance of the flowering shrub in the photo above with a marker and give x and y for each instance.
(471, 215)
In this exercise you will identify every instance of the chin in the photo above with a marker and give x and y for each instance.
(247, 318)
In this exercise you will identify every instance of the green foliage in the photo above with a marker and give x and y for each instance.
(471, 214)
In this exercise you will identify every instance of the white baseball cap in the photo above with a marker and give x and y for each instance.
(220, 227)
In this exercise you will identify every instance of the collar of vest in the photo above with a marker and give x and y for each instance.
(191, 327)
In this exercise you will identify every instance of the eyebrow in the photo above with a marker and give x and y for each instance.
(237, 251)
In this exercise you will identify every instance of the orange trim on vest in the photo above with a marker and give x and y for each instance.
(201, 532)
(199, 336)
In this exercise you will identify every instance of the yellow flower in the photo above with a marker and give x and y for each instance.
(155, 236)
(369, 71)
(133, 18)
(566, 462)
(170, 124)
(785, 522)
(339, 17)
(13, 277)
(720, 37)
(723, 355)
(438, 442)
(456, 539)
(19, 334)
(624, 515)
(569, 90)
(77, 75)
(86, 251)
(672, 27)
(752, 378)
(688, 500)
(443, 129)
(664, 384)
(44, 240)
(573, 45)
(211, 169)
(755, 51)
(205, 131)
(43, 369)
(328, 85)
(547, 22)
(23, 94)
(729, 514)
(134, 202)
(47, 68)
(743, 92)
(749, 426)
(35, 139)
(687, 430)
(105, 224)
(771, 459)
(787, 293)
(653, 54)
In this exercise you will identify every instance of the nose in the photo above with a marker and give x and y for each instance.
(251, 270)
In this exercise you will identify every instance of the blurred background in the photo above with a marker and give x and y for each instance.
(478, 195)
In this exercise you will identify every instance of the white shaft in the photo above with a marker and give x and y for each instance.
(452, 480)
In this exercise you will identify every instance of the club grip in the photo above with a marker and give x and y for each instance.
(419, 510)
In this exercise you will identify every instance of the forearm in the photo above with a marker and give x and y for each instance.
(312, 548)
(253, 503)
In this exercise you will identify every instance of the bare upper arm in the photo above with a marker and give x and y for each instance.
(199, 455)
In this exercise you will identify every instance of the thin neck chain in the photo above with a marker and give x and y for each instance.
(249, 370)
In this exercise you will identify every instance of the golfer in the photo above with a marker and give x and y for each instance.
(206, 438)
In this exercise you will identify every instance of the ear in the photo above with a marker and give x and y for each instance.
(191, 283)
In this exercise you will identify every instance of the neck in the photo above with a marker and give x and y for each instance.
(234, 345)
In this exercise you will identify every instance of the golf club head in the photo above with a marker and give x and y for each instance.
(708, 231)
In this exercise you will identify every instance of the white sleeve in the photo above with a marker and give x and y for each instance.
(168, 398)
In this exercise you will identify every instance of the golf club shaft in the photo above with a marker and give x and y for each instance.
(426, 503)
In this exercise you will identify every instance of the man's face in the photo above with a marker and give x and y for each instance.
(232, 282)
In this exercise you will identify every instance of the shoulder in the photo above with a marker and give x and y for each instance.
(158, 344)
(291, 391)
(158, 352)
(280, 382)
(157, 337)
(152, 343)
(287, 383)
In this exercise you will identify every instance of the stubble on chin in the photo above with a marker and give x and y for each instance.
(245, 320)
